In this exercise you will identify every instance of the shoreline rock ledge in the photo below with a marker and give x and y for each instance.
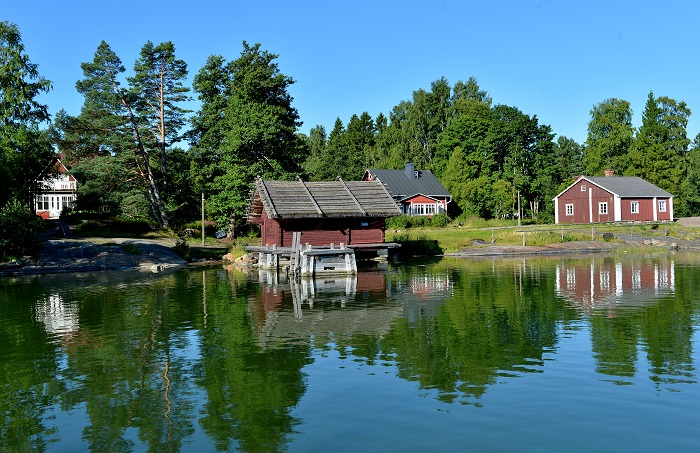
(63, 256)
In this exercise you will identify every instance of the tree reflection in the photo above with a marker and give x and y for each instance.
(250, 392)
(217, 357)
(28, 366)
(498, 320)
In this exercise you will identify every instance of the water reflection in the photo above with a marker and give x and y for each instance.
(638, 324)
(59, 317)
(322, 310)
(228, 360)
(616, 281)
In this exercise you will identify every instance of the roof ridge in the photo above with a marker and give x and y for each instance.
(311, 197)
(352, 195)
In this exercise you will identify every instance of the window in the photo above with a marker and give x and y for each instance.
(42, 203)
(662, 205)
(636, 279)
(570, 278)
(605, 280)
(603, 208)
(569, 209)
(424, 209)
(635, 207)
(583, 187)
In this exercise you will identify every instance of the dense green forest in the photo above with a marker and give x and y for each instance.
(138, 153)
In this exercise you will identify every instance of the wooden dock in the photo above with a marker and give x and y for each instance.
(308, 260)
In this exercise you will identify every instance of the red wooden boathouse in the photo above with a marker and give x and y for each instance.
(329, 212)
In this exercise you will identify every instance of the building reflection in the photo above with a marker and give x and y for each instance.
(610, 282)
(427, 293)
(329, 307)
(59, 318)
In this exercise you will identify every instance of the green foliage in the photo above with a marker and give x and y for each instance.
(569, 158)
(440, 220)
(109, 226)
(419, 245)
(24, 150)
(406, 221)
(246, 128)
(182, 248)
(610, 136)
(660, 148)
(120, 139)
(688, 201)
(19, 230)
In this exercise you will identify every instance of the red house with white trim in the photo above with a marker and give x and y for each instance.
(599, 199)
(418, 192)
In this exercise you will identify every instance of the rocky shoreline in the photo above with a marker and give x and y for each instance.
(63, 256)
(156, 256)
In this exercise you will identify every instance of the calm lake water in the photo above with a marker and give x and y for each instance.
(536, 354)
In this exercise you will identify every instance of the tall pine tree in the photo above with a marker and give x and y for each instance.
(660, 148)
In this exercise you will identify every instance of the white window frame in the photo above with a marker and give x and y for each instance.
(603, 208)
(662, 205)
(583, 187)
(569, 209)
(423, 209)
(634, 207)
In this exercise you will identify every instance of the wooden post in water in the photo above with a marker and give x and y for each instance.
(593, 233)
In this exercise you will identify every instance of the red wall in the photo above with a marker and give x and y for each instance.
(646, 209)
(323, 232)
(580, 200)
(664, 215)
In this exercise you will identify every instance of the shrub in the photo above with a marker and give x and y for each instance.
(420, 245)
(398, 223)
(182, 247)
(440, 220)
(114, 226)
(19, 231)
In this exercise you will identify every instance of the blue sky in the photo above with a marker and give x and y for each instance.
(553, 59)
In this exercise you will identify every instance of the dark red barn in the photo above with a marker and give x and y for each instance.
(348, 212)
(598, 199)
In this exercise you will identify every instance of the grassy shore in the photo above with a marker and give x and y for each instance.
(456, 237)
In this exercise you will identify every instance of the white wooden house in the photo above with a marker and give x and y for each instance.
(58, 192)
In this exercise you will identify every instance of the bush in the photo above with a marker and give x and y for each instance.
(406, 221)
(398, 223)
(112, 226)
(440, 220)
(420, 246)
(19, 231)
(182, 248)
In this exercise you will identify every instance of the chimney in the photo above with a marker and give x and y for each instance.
(410, 171)
(609, 173)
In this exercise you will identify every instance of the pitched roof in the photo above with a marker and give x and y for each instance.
(401, 185)
(624, 186)
(299, 199)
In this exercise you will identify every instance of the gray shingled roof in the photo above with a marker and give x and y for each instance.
(401, 186)
(628, 186)
(298, 199)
